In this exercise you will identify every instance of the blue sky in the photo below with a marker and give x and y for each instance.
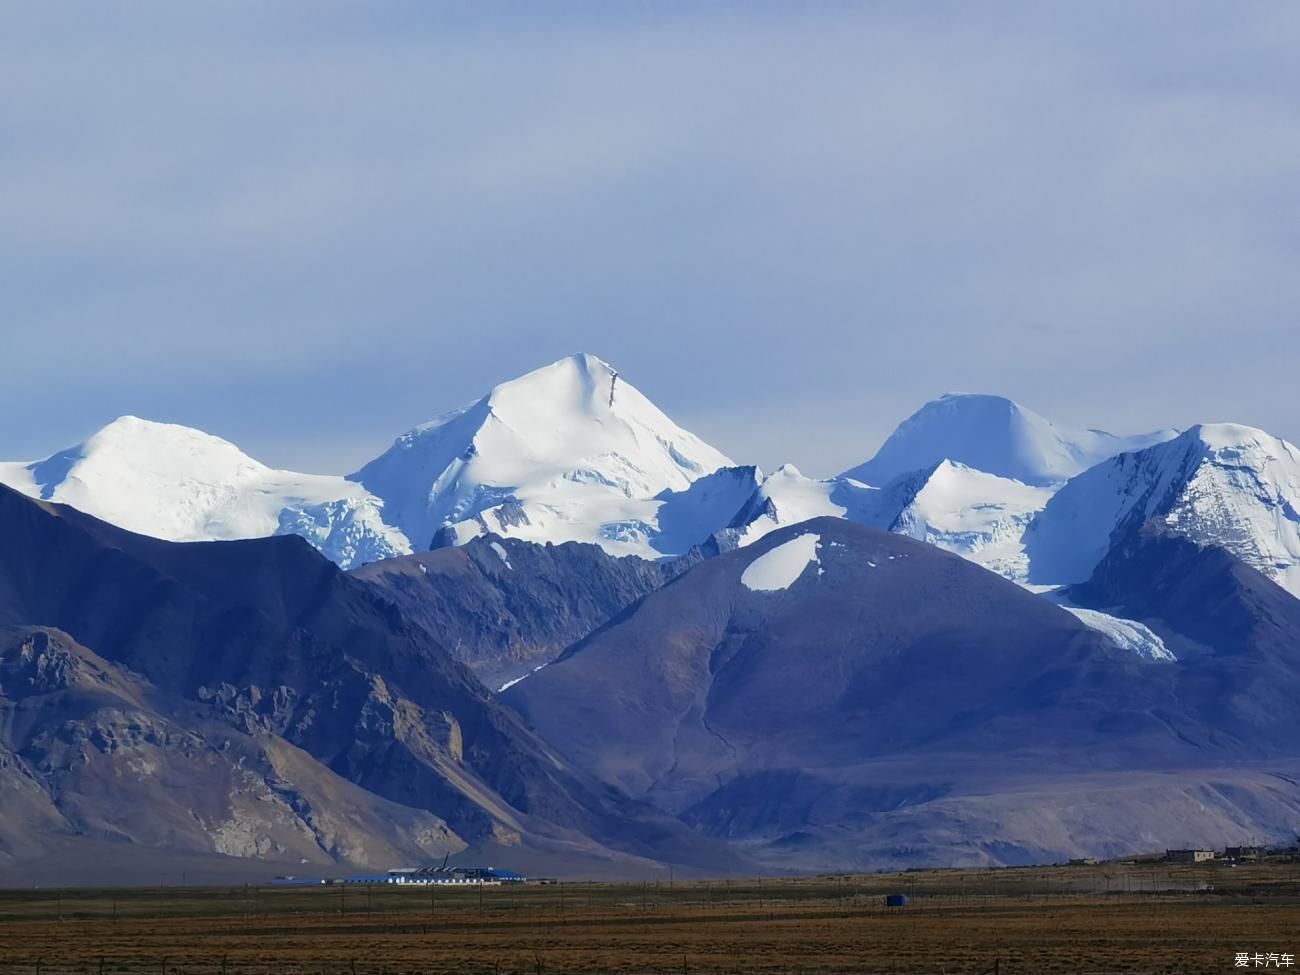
(309, 227)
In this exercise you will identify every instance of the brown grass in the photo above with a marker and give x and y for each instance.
(1034, 920)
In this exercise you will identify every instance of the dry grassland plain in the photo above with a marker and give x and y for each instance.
(1091, 919)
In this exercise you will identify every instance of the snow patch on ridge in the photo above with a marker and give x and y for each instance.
(779, 567)
(501, 554)
(515, 680)
(1125, 634)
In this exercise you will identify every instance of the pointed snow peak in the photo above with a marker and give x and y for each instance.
(580, 369)
(577, 386)
(551, 455)
(995, 435)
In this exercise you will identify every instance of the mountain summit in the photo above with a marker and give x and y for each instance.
(1219, 484)
(995, 435)
(568, 452)
(180, 484)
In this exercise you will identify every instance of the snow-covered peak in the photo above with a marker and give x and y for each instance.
(787, 497)
(996, 435)
(130, 447)
(1218, 484)
(162, 479)
(552, 455)
(579, 385)
(571, 451)
(974, 514)
(181, 484)
(949, 487)
(1237, 437)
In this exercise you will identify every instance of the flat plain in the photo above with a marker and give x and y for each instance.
(1140, 917)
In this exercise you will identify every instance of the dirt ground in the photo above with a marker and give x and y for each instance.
(1110, 918)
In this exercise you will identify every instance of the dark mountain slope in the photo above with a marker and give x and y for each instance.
(889, 693)
(91, 745)
(1237, 632)
(884, 645)
(1199, 591)
(504, 606)
(270, 637)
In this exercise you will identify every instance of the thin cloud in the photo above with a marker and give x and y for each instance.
(307, 228)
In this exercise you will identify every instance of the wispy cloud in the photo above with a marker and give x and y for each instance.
(308, 226)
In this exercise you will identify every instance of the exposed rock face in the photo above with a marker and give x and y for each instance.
(503, 607)
(87, 745)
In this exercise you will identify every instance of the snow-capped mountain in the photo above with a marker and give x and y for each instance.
(994, 435)
(573, 452)
(568, 452)
(787, 497)
(1216, 484)
(690, 517)
(971, 513)
(181, 484)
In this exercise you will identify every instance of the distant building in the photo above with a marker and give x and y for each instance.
(1244, 852)
(1084, 862)
(448, 875)
(896, 900)
(1189, 856)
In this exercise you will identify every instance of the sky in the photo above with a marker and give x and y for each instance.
(308, 227)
